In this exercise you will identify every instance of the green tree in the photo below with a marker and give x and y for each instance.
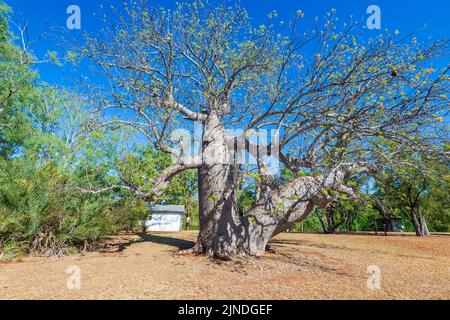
(48, 151)
(16, 89)
(418, 192)
(143, 166)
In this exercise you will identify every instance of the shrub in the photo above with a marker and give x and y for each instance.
(41, 211)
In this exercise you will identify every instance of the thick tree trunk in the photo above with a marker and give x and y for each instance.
(250, 234)
(214, 183)
(223, 233)
(327, 221)
(424, 226)
(420, 224)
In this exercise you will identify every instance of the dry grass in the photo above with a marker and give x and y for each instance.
(305, 266)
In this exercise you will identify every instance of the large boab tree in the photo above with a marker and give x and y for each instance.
(333, 99)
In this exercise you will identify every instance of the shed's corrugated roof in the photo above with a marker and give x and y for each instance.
(167, 208)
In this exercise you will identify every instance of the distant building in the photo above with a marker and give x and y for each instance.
(165, 218)
(390, 225)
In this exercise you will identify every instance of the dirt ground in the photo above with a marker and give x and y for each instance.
(304, 266)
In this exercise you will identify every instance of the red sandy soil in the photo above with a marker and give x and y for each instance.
(304, 266)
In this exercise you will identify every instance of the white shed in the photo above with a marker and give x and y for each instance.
(165, 218)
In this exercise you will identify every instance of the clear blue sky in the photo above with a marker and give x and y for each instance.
(403, 15)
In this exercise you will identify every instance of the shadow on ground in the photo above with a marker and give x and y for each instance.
(307, 243)
(179, 244)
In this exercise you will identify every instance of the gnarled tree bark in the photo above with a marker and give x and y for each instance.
(223, 233)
